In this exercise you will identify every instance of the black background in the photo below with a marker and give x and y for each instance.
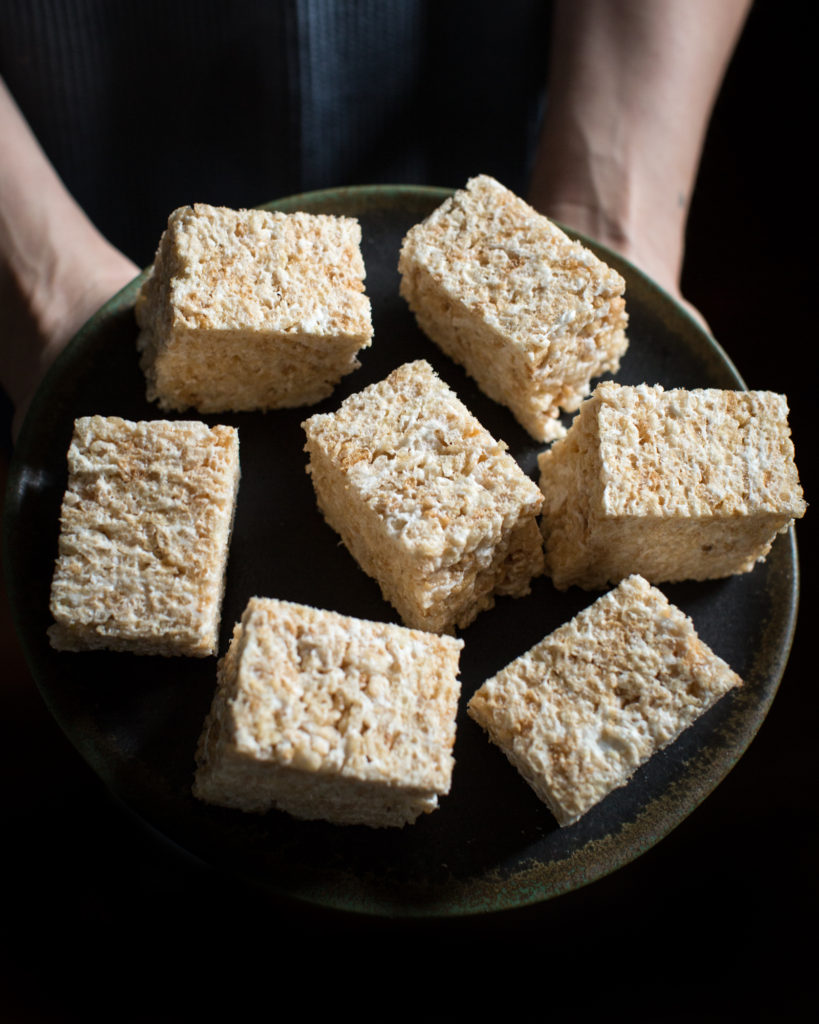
(102, 919)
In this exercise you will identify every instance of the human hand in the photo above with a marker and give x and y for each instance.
(658, 258)
(36, 324)
(631, 88)
(56, 269)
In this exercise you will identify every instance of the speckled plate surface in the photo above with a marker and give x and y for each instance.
(492, 845)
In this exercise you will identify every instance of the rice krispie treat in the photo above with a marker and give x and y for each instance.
(673, 485)
(530, 314)
(425, 499)
(144, 533)
(326, 716)
(249, 309)
(584, 708)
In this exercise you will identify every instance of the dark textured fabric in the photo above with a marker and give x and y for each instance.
(145, 105)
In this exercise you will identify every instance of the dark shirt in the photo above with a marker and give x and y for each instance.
(145, 105)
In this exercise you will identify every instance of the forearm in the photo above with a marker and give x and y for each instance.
(55, 267)
(632, 86)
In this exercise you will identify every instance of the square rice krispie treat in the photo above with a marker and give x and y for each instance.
(673, 485)
(326, 716)
(249, 309)
(530, 314)
(144, 533)
(584, 708)
(425, 499)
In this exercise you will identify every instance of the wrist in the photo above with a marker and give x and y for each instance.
(45, 300)
(81, 270)
(55, 267)
(618, 197)
(656, 250)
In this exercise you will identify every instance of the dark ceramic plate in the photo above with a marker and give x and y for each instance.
(492, 844)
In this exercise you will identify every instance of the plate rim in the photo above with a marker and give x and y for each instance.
(497, 902)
